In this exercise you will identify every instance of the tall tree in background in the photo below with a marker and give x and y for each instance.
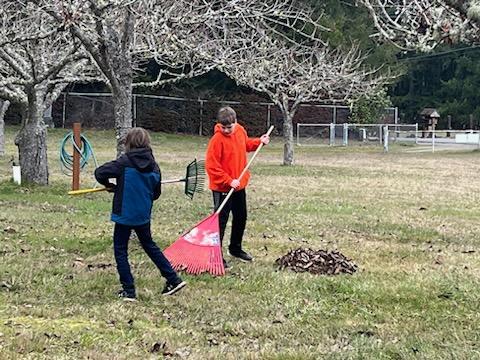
(447, 81)
(290, 74)
(37, 60)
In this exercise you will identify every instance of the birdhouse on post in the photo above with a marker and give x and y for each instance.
(428, 121)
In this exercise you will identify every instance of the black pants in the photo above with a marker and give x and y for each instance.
(121, 235)
(237, 204)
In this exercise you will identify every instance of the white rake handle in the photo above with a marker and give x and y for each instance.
(243, 173)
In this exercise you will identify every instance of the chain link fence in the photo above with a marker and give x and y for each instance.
(191, 116)
(353, 134)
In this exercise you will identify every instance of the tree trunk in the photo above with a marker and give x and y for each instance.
(118, 66)
(4, 104)
(32, 142)
(288, 138)
(122, 109)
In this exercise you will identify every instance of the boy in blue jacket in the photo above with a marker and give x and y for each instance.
(138, 184)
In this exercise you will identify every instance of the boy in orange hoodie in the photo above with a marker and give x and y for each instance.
(225, 159)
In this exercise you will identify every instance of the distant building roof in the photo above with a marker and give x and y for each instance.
(430, 112)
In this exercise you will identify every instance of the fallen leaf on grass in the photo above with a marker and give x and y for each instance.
(98, 266)
(9, 230)
(156, 347)
(445, 295)
(161, 347)
(6, 284)
(78, 263)
(367, 333)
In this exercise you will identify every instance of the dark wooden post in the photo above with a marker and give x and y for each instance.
(200, 128)
(449, 124)
(77, 129)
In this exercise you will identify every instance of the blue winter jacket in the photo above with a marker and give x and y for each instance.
(138, 184)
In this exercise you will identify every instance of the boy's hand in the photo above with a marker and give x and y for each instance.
(111, 187)
(235, 183)
(265, 139)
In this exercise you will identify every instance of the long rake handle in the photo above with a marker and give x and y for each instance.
(87, 191)
(171, 181)
(243, 172)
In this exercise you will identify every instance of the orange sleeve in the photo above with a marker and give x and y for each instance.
(252, 144)
(213, 164)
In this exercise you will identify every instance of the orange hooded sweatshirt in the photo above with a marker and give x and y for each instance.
(227, 157)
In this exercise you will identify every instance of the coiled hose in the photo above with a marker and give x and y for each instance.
(86, 152)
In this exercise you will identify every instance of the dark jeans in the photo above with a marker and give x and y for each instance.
(121, 235)
(237, 204)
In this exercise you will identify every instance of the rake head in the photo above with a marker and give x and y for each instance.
(195, 178)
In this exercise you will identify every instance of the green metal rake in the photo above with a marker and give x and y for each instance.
(194, 180)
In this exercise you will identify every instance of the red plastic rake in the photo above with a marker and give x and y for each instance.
(199, 249)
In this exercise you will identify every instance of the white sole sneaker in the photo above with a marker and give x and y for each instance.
(176, 288)
(129, 299)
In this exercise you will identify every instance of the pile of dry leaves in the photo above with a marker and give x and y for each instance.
(318, 262)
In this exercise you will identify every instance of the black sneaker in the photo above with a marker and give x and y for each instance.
(171, 289)
(241, 255)
(127, 296)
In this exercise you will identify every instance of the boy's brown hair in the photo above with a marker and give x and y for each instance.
(226, 116)
(137, 138)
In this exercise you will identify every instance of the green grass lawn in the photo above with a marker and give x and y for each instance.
(410, 221)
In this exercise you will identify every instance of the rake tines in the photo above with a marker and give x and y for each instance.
(198, 250)
(195, 178)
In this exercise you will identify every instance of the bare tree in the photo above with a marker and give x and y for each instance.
(179, 34)
(291, 74)
(120, 35)
(423, 24)
(37, 61)
(107, 30)
(4, 104)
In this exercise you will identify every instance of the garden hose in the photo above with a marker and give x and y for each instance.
(86, 152)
